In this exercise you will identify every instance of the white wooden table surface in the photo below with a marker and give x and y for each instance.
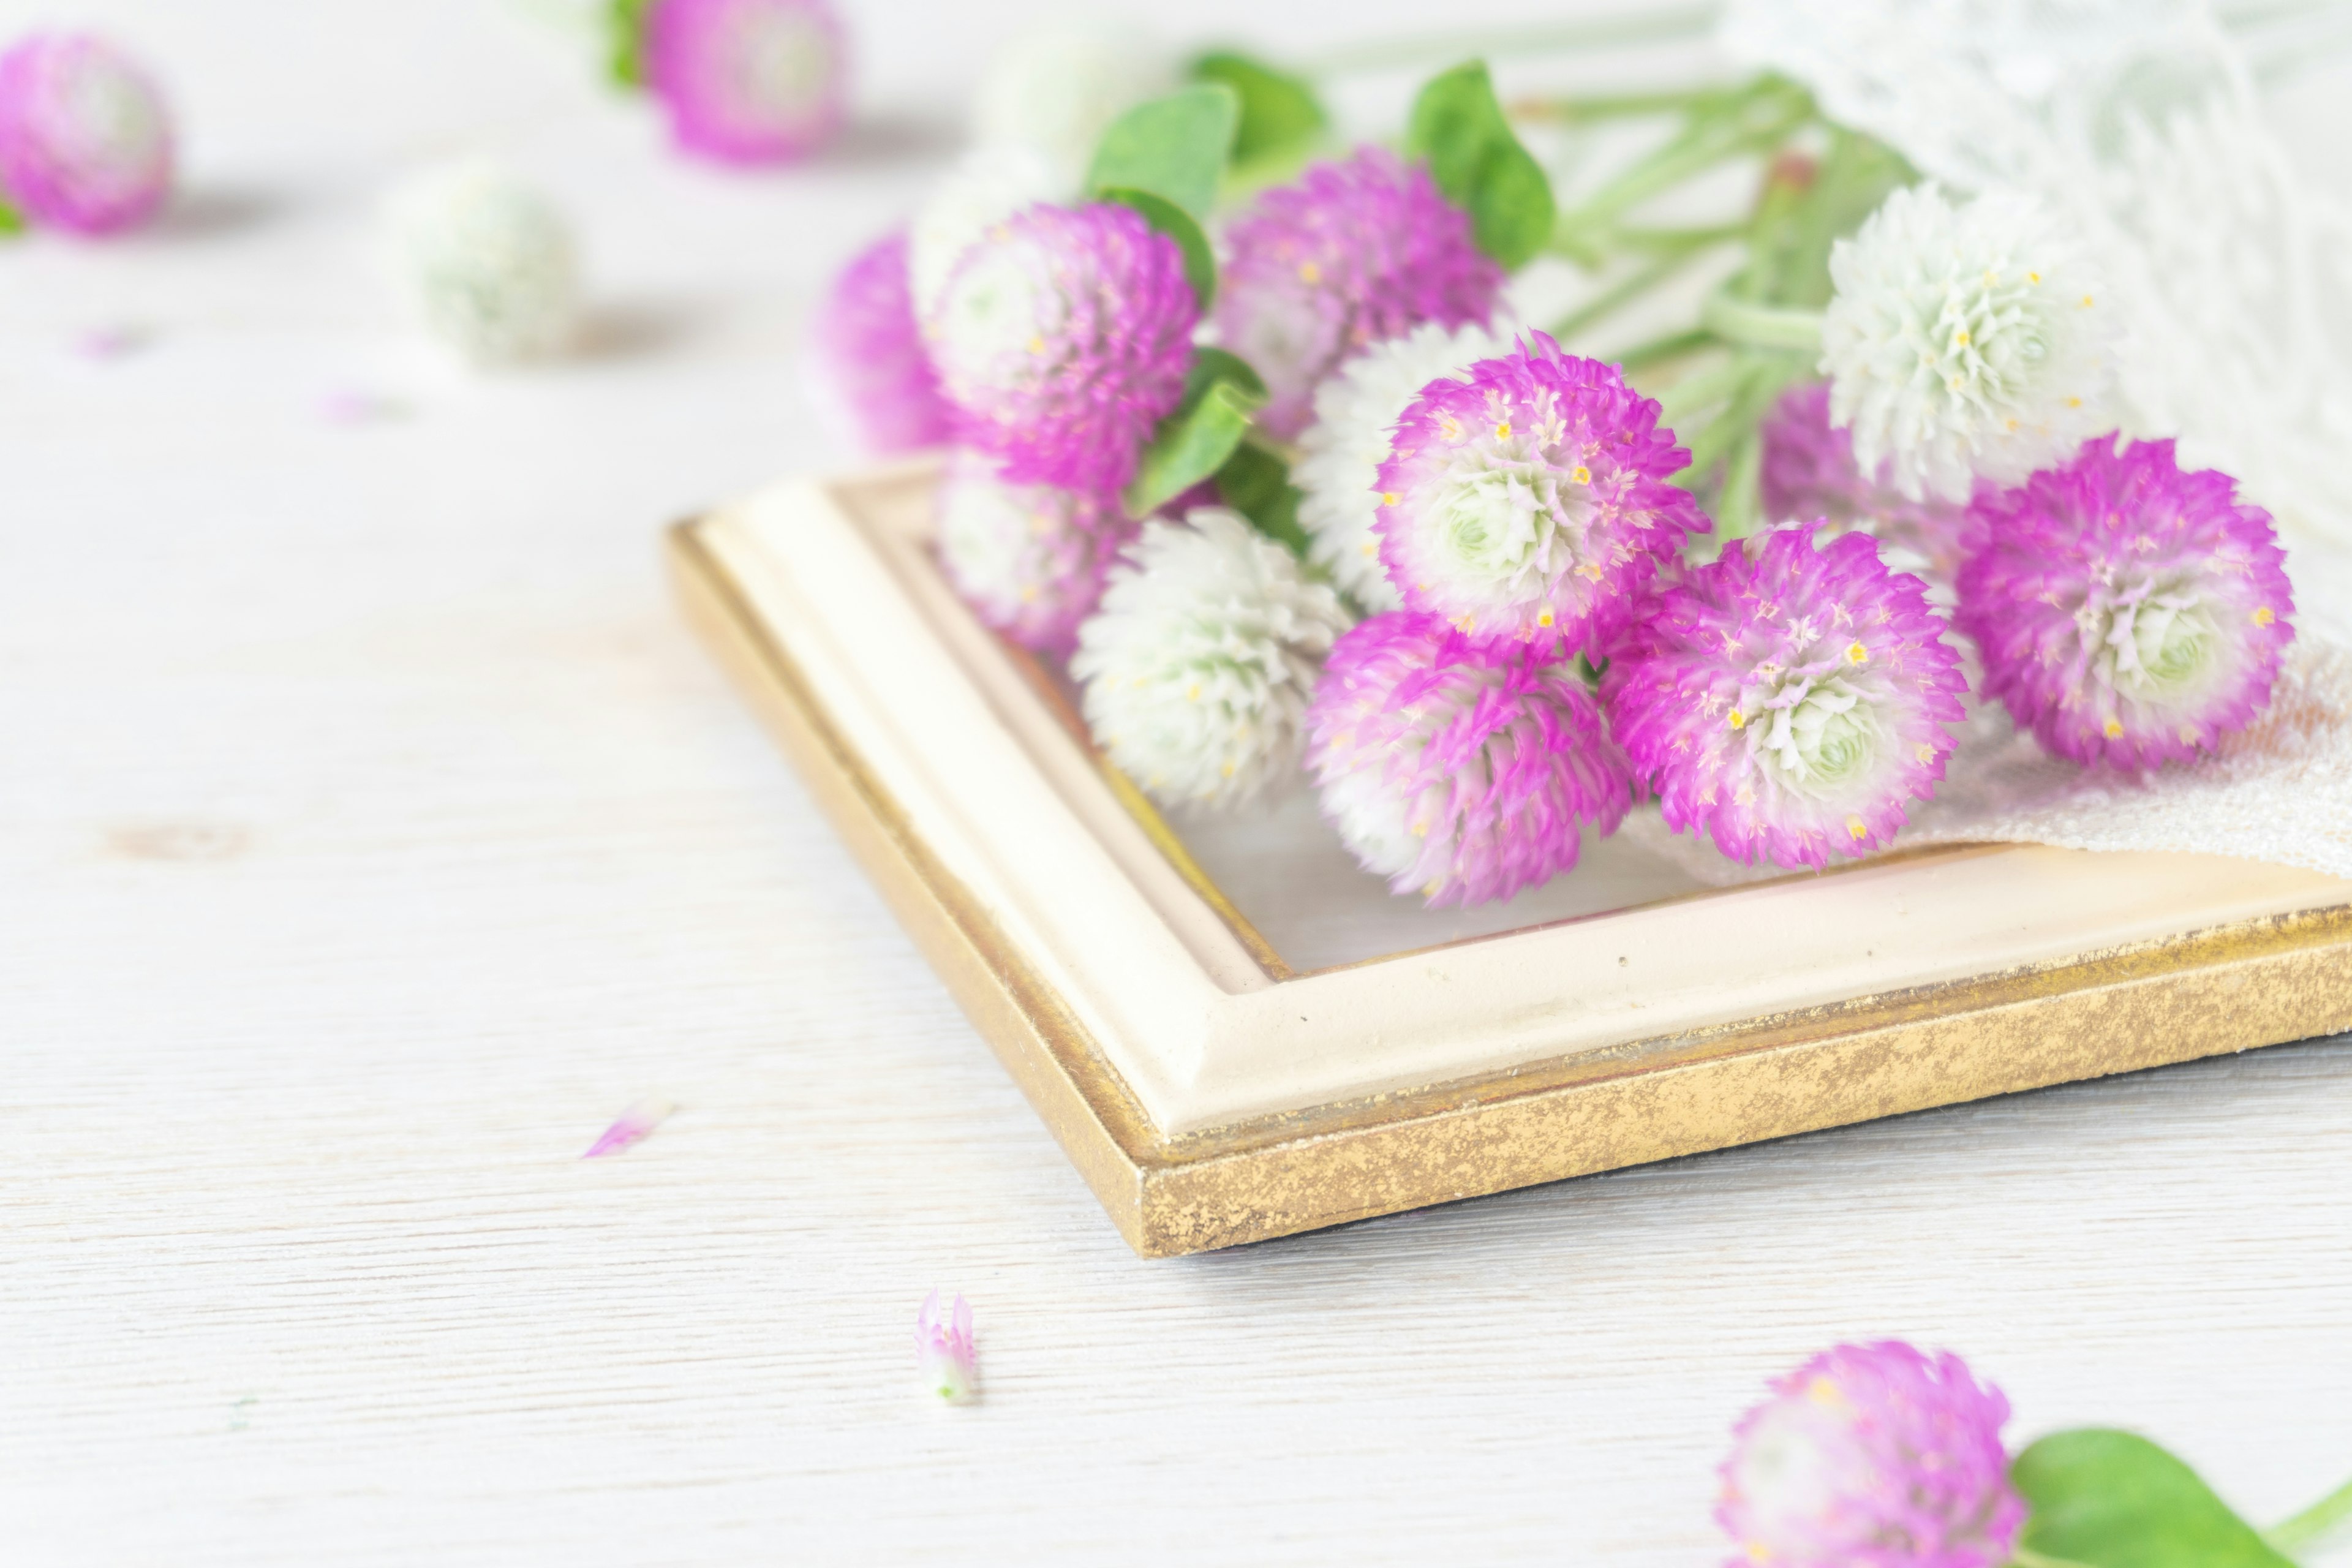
(371, 833)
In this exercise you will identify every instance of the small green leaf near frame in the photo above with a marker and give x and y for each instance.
(1175, 148)
(2111, 1499)
(1168, 218)
(624, 40)
(1194, 442)
(1459, 130)
(1280, 114)
(11, 222)
(1256, 483)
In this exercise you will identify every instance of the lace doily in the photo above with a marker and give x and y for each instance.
(2235, 282)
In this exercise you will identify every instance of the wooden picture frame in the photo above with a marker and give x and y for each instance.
(1211, 1093)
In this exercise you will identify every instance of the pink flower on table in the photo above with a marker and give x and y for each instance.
(1031, 560)
(1525, 500)
(1873, 1457)
(943, 1349)
(869, 372)
(2127, 612)
(1061, 339)
(1352, 252)
(85, 138)
(1790, 701)
(1810, 471)
(1456, 772)
(748, 81)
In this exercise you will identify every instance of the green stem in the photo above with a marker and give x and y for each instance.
(1703, 389)
(1757, 119)
(2318, 1520)
(2026, 1557)
(1611, 300)
(1650, 25)
(1741, 502)
(1592, 108)
(1664, 240)
(1654, 350)
(1761, 326)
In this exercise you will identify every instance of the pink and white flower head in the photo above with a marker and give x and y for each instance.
(1809, 471)
(1201, 660)
(85, 137)
(943, 1349)
(1526, 502)
(1353, 252)
(1029, 559)
(748, 81)
(1456, 772)
(1062, 339)
(1873, 1457)
(868, 375)
(2127, 612)
(1789, 700)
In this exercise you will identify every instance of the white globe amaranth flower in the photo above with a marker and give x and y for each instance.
(1055, 89)
(1201, 662)
(488, 266)
(1967, 341)
(985, 186)
(1340, 456)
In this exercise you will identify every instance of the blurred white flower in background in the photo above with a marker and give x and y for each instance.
(486, 265)
(1055, 89)
(987, 185)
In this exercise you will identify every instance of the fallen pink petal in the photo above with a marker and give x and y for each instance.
(943, 1350)
(116, 341)
(635, 1125)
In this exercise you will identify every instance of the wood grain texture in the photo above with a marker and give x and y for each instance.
(371, 833)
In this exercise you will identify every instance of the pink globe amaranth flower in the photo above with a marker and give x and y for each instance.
(869, 375)
(1809, 471)
(748, 81)
(1873, 1457)
(1527, 502)
(1031, 560)
(85, 137)
(1455, 771)
(2126, 613)
(1062, 339)
(1789, 701)
(1354, 252)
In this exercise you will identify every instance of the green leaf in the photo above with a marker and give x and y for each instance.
(1221, 392)
(1279, 112)
(1173, 147)
(1200, 261)
(2109, 1500)
(1256, 484)
(624, 40)
(11, 222)
(1458, 127)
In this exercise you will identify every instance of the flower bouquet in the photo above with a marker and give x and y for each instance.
(1839, 516)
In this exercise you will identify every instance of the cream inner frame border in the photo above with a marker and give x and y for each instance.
(1205, 1027)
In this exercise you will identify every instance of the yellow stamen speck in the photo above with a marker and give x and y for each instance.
(1420, 830)
(2033, 277)
(2086, 302)
(1544, 618)
(2115, 729)
(1036, 345)
(1857, 827)
(1857, 654)
(1927, 753)
(2073, 402)
(1739, 720)
(2264, 617)
(1229, 769)
(1192, 692)
(1309, 273)
(1581, 474)
(1387, 498)
(1962, 339)
(1591, 569)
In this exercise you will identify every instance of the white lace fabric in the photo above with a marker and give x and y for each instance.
(2235, 279)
